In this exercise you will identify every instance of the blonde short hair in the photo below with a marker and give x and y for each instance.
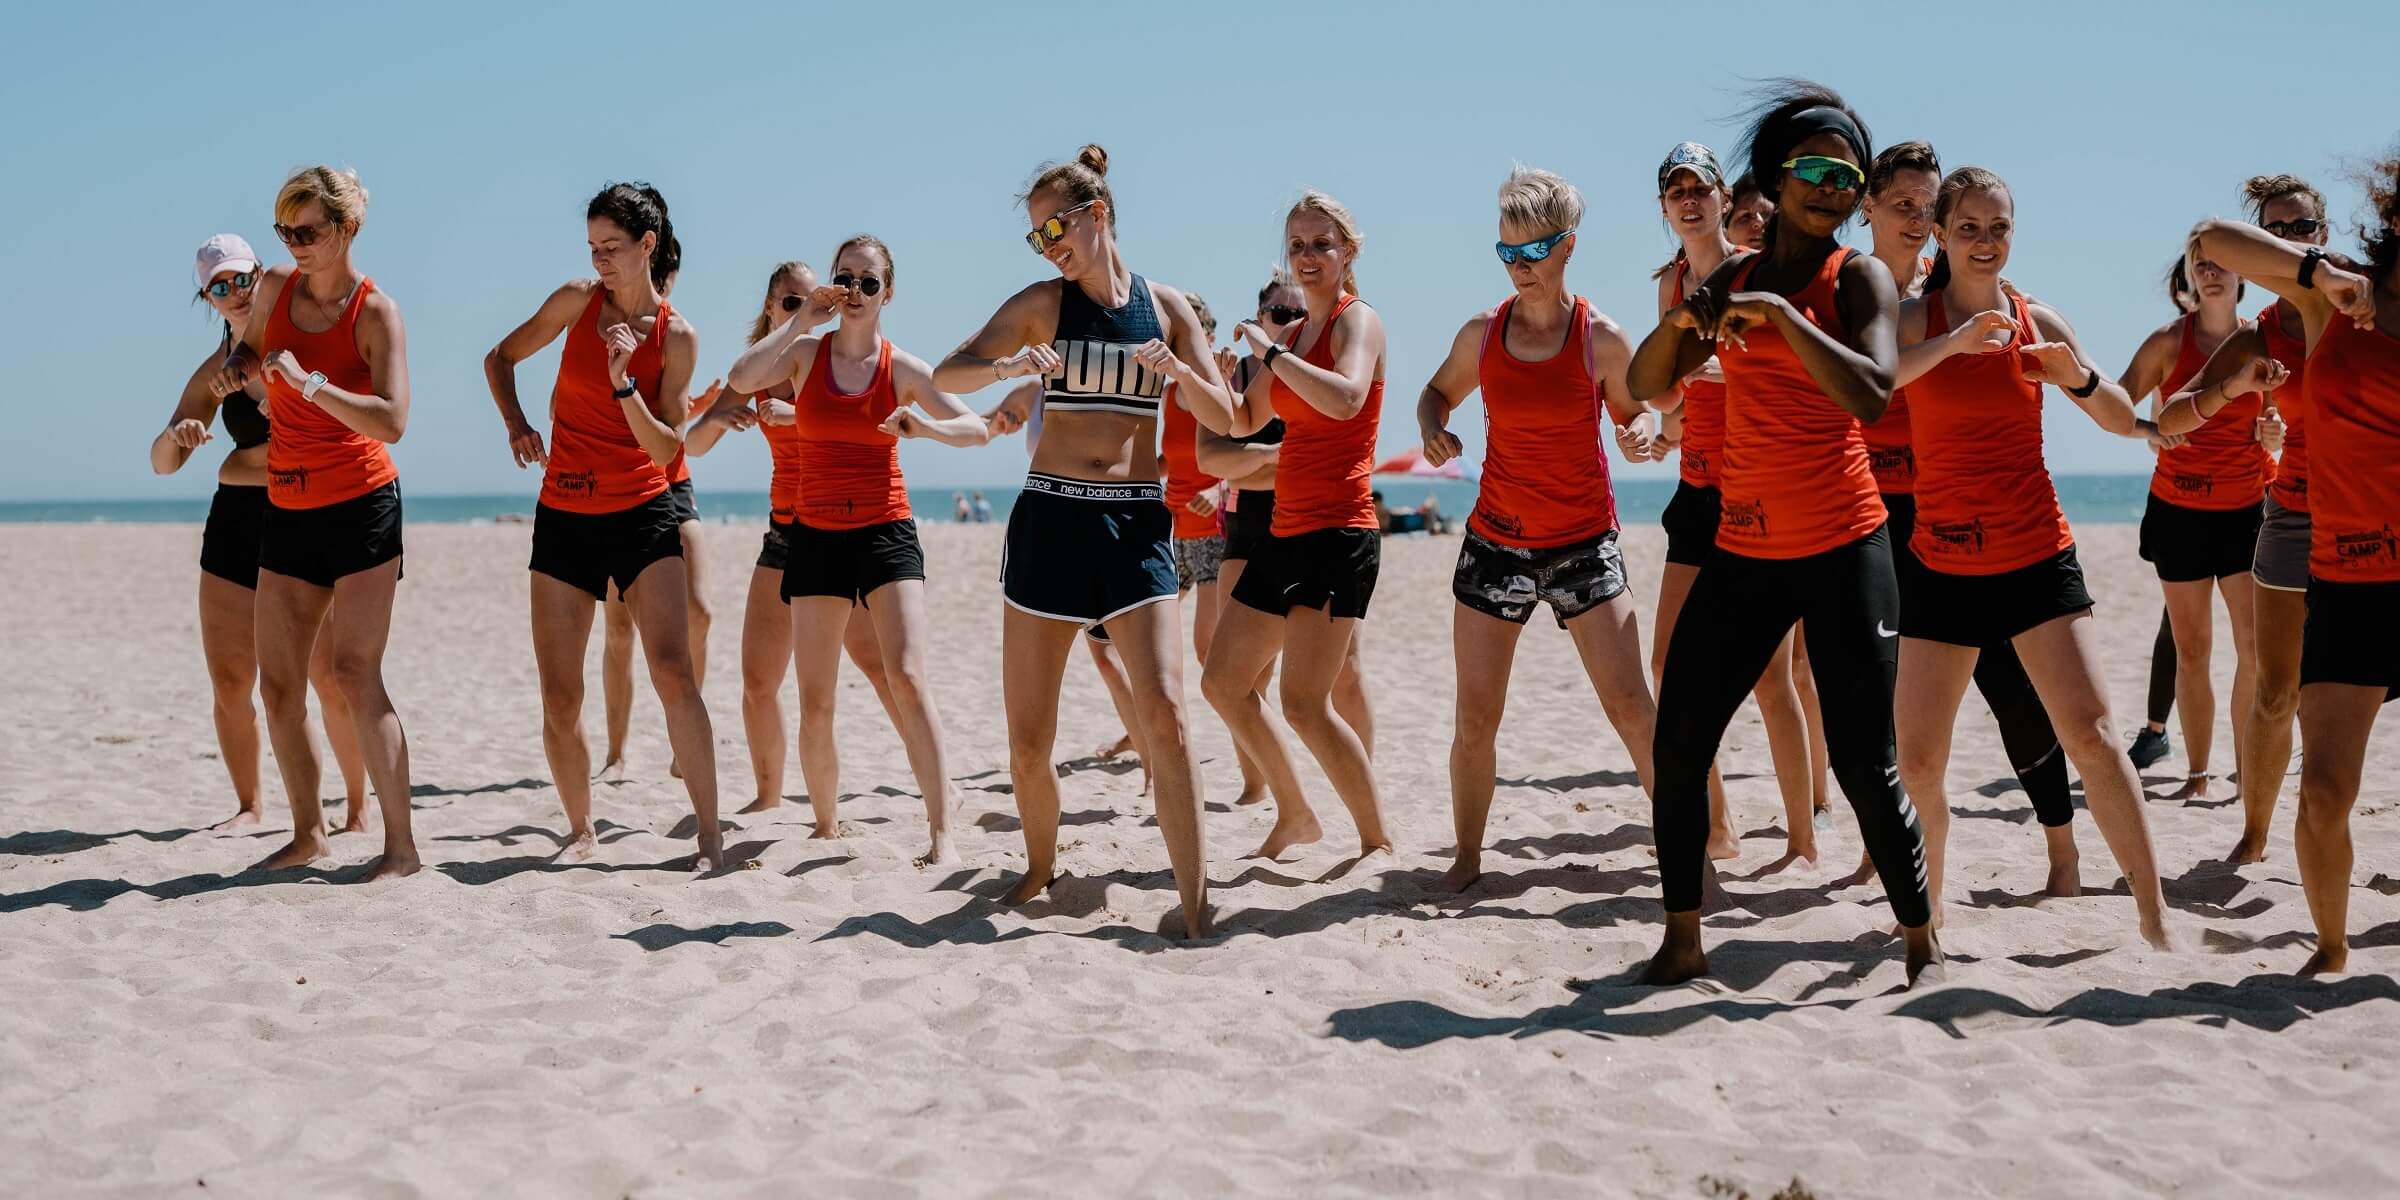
(1534, 199)
(336, 188)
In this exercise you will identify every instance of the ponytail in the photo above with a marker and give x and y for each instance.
(1939, 277)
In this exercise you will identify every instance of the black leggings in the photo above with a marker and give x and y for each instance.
(1738, 612)
(2162, 672)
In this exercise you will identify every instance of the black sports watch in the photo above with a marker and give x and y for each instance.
(2309, 259)
(2089, 385)
(1273, 353)
(626, 392)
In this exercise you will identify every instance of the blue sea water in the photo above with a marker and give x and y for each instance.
(2089, 499)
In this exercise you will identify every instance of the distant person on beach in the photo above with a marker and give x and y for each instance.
(983, 509)
(853, 537)
(2267, 355)
(333, 354)
(960, 511)
(1991, 561)
(1089, 541)
(1309, 584)
(607, 514)
(1544, 527)
(767, 651)
(227, 273)
(2206, 504)
(2349, 658)
(1804, 331)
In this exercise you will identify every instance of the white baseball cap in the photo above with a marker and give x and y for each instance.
(223, 252)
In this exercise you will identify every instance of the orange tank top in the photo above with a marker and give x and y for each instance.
(1985, 502)
(1890, 450)
(2221, 466)
(2354, 496)
(312, 458)
(2290, 488)
(1179, 444)
(1545, 479)
(849, 467)
(783, 491)
(596, 464)
(1321, 476)
(1796, 479)
(1702, 453)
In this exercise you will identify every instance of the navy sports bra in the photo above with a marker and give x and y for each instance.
(243, 422)
(1096, 371)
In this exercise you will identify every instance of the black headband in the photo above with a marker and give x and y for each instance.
(1824, 118)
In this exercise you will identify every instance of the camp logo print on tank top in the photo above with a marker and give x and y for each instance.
(597, 465)
(1096, 371)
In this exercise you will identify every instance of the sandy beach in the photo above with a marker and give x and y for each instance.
(831, 1020)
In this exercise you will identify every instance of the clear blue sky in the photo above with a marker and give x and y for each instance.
(774, 130)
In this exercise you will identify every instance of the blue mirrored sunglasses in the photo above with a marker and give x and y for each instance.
(1533, 251)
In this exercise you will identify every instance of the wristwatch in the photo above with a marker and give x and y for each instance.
(626, 392)
(1273, 353)
(2089, 385)
(2309, 259)
(309, 386)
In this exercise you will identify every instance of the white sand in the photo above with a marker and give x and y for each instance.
(837, 1022)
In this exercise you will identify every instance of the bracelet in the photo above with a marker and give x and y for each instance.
(2309, 259)
(1267, 360)
(626, 392)
(310, 385)
(2089, 385)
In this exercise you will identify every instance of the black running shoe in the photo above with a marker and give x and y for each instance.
(2149, 746)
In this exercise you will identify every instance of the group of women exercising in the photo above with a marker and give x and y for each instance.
(1864, 526)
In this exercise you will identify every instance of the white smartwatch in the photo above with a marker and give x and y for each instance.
(309, 386)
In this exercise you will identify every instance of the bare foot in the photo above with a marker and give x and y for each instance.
(1108, 750)
(241, 819)
(1294, 831)
(580, 847)
(1864, 874)
(2195, 787)
(1679, 957)
(2247, 850)
(1252, 793)
(612, 771)
(1189, 925)
(1028, 886)
(1925, 962)
(826, 831)
(303, 849)
(711, 855)
(393, 866)
(1461, 875)
(674, 769)
(1722, 845)
(358, 821)
(2154, 931)
(940, 853)
(1790, 859)
(762, 804)
(2328, 960)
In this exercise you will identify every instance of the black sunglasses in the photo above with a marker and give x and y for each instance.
(221, 288)
(2304, 227)
(303, 235)
(1283, 314)
(867, 285)
(792, 303)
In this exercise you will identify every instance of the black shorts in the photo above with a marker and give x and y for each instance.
(321, 545)
(1332, 569)
(1249, 522)
(1508, 582)
(1900, 521)
(1986, 610)
(592, 550)
(2348, 637)
(776, 549)
(687, 503)
(849, 564)
(229, 543)
(1085, 551)
(1691, 523)
(2194, 545)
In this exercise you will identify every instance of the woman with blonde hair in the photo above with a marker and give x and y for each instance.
(1544, 529)
(1307, 587)
(333, 352)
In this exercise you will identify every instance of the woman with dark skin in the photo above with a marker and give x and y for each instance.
(1806, 333)
(2349, 660)
(2268, 355)
(229, 273)
(1089, 541)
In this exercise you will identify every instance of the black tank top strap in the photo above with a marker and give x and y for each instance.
(244, 423)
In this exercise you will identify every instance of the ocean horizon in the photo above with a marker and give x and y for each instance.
(2088, 499)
